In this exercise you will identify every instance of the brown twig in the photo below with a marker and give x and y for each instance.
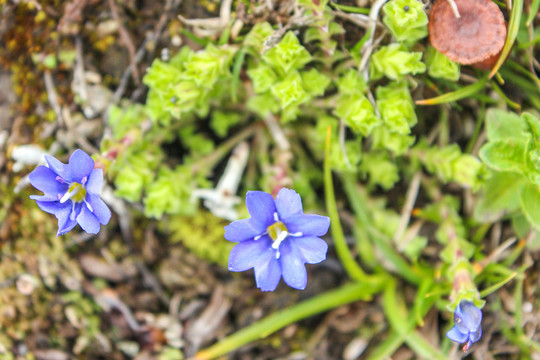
(141, 51)
(126, 39)
(52, 96)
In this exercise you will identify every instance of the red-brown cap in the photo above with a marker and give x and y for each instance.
(479, 32)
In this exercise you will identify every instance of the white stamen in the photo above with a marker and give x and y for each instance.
(70, 194)
(259, 236)
(276, 217)
(278, 254)
(282, 235)
(296, 234)
(89, 206)
(62, 181)
(72, 215)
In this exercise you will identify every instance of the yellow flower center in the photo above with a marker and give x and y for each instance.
(276, 229)
(78, 192)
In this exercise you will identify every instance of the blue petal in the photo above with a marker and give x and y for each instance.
(100, 210)
(80, 166)
(65, 223)
(54, 207)
(475, 336)
(308, 224)
(45, 197)
(44, 179)
(245, 229)
(471, 315)
(88, 221)
(455, 335)
(66, 227)
(261, 207)
(250, 253)
(292, 264)
(95, 181)
(288, 203)
(57, 167)
(313, 249)
(268, 271)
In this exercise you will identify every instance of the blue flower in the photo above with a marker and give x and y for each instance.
(467, 319)
(277, 240)
(71, 192)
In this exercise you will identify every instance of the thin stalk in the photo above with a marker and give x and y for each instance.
(345, 256)
(477, 128)
(412, 275)
(272, 323)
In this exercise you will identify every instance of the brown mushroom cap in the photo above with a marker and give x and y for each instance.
(479, 32)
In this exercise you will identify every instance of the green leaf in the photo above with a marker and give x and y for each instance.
(466, 170)
(530, 204)
(221, 122)
(263, 104)
(257, 36)
(314, 82)
(501, 193)
(406, 19)
(383, 138)
(290, 91)
(396, 107)
(501, 125)
(288, 55)
(504, 155)
(357, 112)
(394, 62)
(263, 78)
(351, 82)
(511, 34)
(381, 170)
(462, 93)
(440, 66)
(533, 11)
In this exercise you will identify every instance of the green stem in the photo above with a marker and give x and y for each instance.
(346, 294)
(412, 275)
(477, 128)
(462, 93)
(345, 256)
(518, 303)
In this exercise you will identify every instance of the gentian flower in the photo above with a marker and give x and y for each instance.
(277, 240)
(71, 192)
(467, 327)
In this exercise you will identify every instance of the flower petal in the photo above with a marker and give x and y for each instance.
(292, 264)
(88, 221)
(455, 335)
(244, 229)
(268, 272)
(312, 249)
(288, 203)
(44, 179)
(471, 316)
(308, 224)
(45, 197)
(80, 166)
(67, 226)
(475, 336)
(65, 223)
(100, 210)
(54, 207)
(56, 166)
(261, 207)
(250, 253)
(95, 181)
